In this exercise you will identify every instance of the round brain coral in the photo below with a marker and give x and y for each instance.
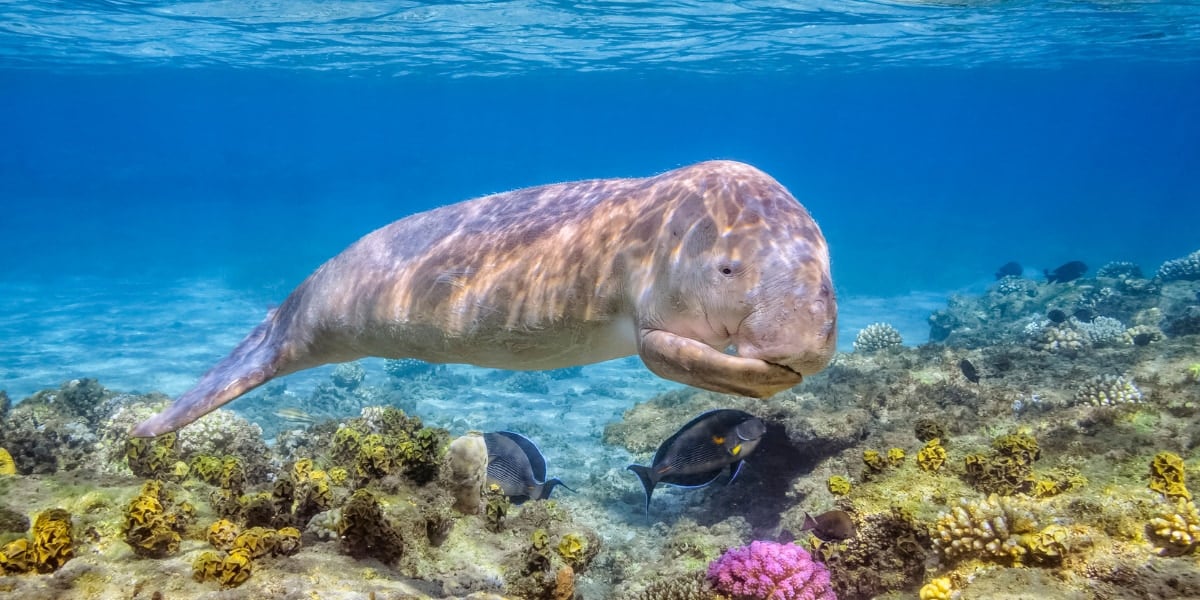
(770, 571)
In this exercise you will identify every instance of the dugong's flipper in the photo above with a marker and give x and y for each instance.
(253, 362)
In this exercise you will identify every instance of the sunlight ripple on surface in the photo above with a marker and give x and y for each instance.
(495, 38)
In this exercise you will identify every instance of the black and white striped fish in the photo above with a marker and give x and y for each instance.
(516, 465)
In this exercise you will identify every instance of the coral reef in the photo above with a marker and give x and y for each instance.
(887, 554)
(1186, 268)
(876, 337)
(768, 570)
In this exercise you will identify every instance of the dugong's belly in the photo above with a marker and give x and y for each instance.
(552, 346)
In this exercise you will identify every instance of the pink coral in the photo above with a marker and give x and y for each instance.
(770, 571)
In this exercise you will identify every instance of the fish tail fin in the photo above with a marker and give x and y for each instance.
(647, 478)
(549, 486)
(809, 523)
(254, 361)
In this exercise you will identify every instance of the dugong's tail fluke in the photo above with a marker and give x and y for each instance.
(253, 362)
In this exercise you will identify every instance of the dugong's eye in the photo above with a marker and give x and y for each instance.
(729, 269)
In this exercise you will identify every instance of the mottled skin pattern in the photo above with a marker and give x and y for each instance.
(682, 268)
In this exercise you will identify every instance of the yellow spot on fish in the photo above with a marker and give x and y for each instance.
(718, 440)
(735, 450)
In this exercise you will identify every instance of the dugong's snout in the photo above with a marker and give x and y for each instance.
(798, 333)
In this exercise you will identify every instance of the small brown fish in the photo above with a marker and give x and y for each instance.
(830, 526)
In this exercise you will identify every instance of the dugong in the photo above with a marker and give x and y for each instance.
(713, 273)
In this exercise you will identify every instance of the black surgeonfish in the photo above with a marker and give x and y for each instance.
(830, 526)
(1009, 269)
(1067, 272)
(518, 467)
(696, 454)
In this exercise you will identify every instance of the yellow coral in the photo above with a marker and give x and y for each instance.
(256, 541)
(1177, 531)
(572, 548)
(1167, 476)
(207, 566)
(233, 475)
(222, 533)
(932, 456)
(1020, 447)
(873, 460)
(287, 541)
(301, 469)
(16, 558)
(895, 456)
(1193, 372)
(338, 475)
(838, 485)
(938, 589)
(540, 539)
(7, 465)
(207, 469)
(1048, 545)
(236, 568)
(53, 545)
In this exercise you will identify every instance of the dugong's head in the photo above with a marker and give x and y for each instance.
(746, 273)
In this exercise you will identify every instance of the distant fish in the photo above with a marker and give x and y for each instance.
(1143, 339)
(518, 467)
(831, 526)
(1057, 316)
(295, 415)
(968, 370)
(696, 454)
(1086, 315)
(1067, 272)
(1009, 269)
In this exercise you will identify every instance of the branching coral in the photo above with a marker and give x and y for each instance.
(1181, 269)
(1177, 530)
(1108, 390)
(997, 528)
(767, 570)
(876, 337)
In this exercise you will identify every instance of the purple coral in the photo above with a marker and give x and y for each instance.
(770, 571)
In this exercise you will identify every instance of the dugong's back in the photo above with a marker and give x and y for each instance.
(539, 278)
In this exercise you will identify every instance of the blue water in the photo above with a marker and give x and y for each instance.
(154, 149)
